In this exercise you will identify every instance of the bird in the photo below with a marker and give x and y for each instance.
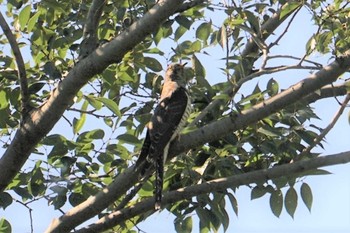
(169, 117)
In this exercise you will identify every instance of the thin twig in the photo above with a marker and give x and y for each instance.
(265, 71)
(286, 29)
(267, 28)
(22, 75)
(325, 131)
(296, 58)
(30, 210)
(90, 112)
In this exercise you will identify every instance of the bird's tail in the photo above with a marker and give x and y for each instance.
(159, 164)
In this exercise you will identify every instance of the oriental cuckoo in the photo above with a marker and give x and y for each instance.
(169, 117)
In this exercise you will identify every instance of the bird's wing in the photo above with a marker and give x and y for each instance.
(144, 152)
(166, 119)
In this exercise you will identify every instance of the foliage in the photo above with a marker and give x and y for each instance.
(101, 132)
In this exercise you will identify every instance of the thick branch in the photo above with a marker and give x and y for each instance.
(43, 119)
(124, 181)
(246, 63)
(327, 92)
(22, 75)
(228, 124)
(293, 169)
(95, 63)
(90, 39)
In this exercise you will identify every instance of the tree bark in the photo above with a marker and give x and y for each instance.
(42, 120)
(299, 168)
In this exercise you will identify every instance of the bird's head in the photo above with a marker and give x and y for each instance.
(175, 73)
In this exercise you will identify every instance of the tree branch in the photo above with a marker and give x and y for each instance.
(90, 38)
(267, 29)
(324, 132)
(327, 92)
(41, 120)
(48, 115)
(220, 128)
(191, 4)
(299, 168)
(212, 131)
(21, 72)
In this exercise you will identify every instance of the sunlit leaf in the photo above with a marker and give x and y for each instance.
(33, 21)
(5, 226)
(24, 16)
(272, 87)
(111, 105)
(289, 8)
(3, 99)
(128, 138)
(203, 31)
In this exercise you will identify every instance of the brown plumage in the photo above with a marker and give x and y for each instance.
(169, 117)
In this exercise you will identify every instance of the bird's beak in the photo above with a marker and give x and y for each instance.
(183, 65)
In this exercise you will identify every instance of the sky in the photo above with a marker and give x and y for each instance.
(331, 193)
(331, 206)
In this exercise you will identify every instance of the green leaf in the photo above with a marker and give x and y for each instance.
(105, 158)
(60, 190)
(203, 31)
(179, 32)
(276, 202)
(289, 8)
(24, 16)
(128, 138)
(94, 102)
(108, 121)
(183, 226)
(33, 21)
(306, 195)
(111, 105)
(204, 220)
(272, 87)
(234, 203)
(257, 192)
(3, 100)
(198, 67)
(5, 226)
(222, 37)
(59, 201)
(253, 21)
(152, 64)
(317, 172)
(76, 198)
(79, 123)
(36, 186)
(5, 200)
(35, 87)
(291, 201)
(183, 21)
